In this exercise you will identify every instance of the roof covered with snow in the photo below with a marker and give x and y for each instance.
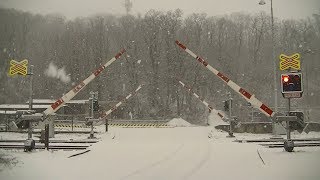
(8, 112)
(22, 106)
(51, 101)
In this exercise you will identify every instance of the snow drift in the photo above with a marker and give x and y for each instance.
(179, 122)
(215, 120)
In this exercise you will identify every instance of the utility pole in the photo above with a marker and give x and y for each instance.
(93, 98)
(231, 120)
(30, 100)
(262, 2)
(274, 71)
(107, 123)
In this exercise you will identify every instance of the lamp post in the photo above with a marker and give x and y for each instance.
(262, 2)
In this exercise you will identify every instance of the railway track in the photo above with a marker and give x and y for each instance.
(55, 147)
(278, 145)
(276, 140)
(56, 132)
(51, 141)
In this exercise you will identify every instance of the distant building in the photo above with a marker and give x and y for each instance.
(72, 107)
(77, 109)
(39, 105)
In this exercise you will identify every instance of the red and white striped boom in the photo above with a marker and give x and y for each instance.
(202, 100)
(73, 92)
(247, 96)
(121, 102)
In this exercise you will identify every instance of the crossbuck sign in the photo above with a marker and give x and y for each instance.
(18, 67)
(287, 62)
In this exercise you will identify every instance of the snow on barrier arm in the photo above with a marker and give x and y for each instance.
(121, 102)
(202, 100)
(247, 96)
(73, 92)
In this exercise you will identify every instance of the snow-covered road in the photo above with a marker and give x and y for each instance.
(168, 153)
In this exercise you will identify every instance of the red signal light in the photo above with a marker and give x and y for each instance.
(285, 78)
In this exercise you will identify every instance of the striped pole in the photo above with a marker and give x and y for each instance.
(121, 102)
(247, 96)
(202, 100)
(73, 92)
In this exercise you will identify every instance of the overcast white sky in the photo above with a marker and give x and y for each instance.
(72, 8)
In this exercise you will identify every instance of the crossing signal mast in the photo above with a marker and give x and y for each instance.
(291, 87)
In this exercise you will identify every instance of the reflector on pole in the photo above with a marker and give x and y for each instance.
(202, 100)
(247, 96)
(121, 102)
(67, 97)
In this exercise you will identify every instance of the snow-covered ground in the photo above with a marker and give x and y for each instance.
(215, 120)
(164, 153)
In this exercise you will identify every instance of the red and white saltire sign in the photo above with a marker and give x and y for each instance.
(121, 102)
(247, 96)
(73, 92)
(202, 100)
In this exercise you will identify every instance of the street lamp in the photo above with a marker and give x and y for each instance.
(262, 2)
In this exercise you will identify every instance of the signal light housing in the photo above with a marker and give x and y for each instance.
(291, 83)
(95, 105)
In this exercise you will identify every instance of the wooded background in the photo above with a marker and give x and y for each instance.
(239, 45)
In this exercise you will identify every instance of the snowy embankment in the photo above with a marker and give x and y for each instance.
(179, 122)
(213, 120)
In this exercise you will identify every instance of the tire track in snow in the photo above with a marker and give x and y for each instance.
(154, 164)
(200, 164)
